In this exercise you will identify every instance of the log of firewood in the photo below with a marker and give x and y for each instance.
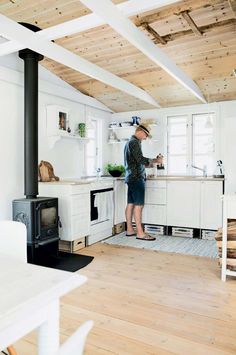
(231, 264)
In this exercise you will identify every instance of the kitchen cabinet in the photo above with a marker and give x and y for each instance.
(183, 203)
(195, 204)
(211, 204)
(74, 207)
(154, 211)
(120, 200)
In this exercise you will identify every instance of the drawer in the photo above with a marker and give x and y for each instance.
(155, 196)
(154, 214)
(80, 203)
(72, 246)
(156, 183)
(79, 189)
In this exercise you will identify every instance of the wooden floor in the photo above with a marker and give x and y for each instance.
(149, 302)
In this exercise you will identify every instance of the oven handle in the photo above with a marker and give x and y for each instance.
(101, 190)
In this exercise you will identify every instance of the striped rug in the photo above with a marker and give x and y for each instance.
(191, 246)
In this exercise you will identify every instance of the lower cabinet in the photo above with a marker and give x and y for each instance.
(74, 208)
(184, 203)
(211, 204)
(154, 211)
(195, 204)
(120, 200)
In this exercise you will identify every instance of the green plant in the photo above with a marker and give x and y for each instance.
(112, 167)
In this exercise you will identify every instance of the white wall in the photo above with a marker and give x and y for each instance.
(225, 134)
(66, 156)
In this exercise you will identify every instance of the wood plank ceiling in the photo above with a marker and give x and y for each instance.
(198, 35)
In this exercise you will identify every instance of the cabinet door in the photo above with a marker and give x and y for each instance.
(154, 214)
(211, 204)
(120, 192)
(183, 203)
(155, 196)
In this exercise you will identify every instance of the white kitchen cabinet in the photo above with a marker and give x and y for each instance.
(183, 203)
(120, 200)
(195, 204)
(211, 204)
(154, 211)
(74, 207)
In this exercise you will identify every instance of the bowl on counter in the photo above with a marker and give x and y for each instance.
(115, 173)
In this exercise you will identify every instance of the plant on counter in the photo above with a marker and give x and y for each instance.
(115, 170)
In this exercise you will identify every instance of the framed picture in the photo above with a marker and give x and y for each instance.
(62, 120)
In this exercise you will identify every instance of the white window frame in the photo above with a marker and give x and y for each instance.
(189, 130)
(98, 145)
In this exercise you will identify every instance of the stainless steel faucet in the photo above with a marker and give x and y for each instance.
(204, 170)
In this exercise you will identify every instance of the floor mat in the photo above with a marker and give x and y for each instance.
(67, 261)
(166, 243)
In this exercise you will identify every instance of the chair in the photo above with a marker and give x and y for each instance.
(13, 242)
(75, 344)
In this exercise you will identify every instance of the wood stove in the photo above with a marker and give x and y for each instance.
(39, 214)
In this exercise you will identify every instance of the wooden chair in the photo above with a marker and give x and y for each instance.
(13, 242)
(75, 344)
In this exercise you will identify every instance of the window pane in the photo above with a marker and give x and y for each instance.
(200, 161)
(177, 145)
(91, 148)
(203, 144)
(91, 165)
(177, 165)
(203, 124)
(90, 133)
(177, 125)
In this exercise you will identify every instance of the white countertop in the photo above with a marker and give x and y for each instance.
(185, 178)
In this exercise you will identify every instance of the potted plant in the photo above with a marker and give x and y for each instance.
(115, 170)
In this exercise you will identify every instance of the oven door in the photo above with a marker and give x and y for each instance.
(101, 205)
(47, 222)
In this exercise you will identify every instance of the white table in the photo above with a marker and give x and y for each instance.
(229, 212)
(29, 299)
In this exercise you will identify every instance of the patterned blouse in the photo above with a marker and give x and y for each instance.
(134, 160)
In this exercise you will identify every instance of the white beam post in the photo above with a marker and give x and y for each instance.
(83, 23)
(12, 30)
(114, 17)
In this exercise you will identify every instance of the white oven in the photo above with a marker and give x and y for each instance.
(101, 211)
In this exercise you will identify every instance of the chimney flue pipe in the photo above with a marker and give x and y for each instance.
(31, 60)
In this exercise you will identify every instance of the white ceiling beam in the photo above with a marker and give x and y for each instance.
(129, 8)
(114, 17)
(11, 30)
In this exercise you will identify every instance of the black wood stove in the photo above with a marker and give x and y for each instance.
(39, 214)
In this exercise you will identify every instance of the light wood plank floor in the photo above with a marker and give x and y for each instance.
(149, 302)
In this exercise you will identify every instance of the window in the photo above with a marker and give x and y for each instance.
(93, 147)
(191, 141)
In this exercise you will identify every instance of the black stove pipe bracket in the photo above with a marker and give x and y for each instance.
(31, 60)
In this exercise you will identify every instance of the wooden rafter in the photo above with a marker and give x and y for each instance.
(107, 10)
(232, 4)
(156, 36)
(13, 31)
(185, 15)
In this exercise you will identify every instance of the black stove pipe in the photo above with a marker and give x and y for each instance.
(31, 60)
